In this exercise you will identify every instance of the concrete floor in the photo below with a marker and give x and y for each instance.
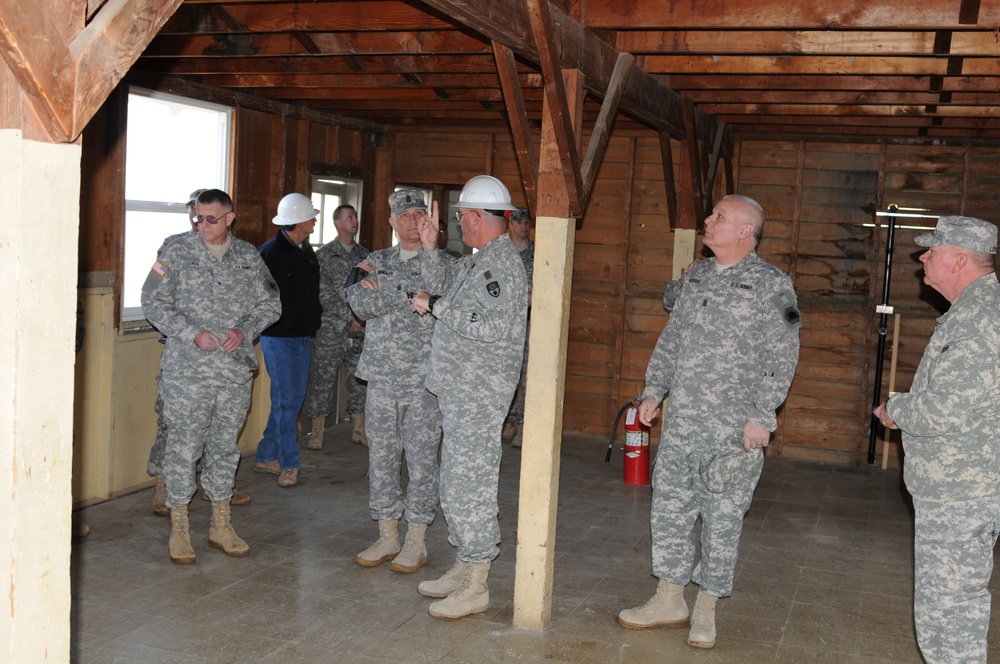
(825, 575)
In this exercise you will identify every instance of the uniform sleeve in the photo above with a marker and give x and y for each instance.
(660, 370)
(960, 383)
(159, 299)
(778, 352)
(367, 304)
(437, 271)
(485, 309)
(266, 307)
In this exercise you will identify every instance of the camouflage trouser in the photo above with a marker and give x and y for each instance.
(155, 465)
(328, 352)
(470, 473)
(687, 458)
(204, 414)
(398, 419)
(953, 553)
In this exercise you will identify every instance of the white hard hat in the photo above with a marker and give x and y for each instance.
(294, 209)
(485, 192)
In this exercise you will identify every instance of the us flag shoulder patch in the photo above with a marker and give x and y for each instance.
(160, 268)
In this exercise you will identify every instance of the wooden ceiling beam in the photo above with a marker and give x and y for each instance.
(66, 71)
(864, 110)
(513, 97)
(443, 42)
(362, 15)
(325, 64)
(396, 80)
(645, 97)
(781, 14)
(795, 65)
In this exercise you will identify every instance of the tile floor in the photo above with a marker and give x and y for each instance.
(825, 575)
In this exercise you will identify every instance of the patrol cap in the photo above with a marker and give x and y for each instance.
(966, 232)
(520, 214)
(407, 198)
(194, 197)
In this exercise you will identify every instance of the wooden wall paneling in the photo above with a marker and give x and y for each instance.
(296, 158)
(447, 158)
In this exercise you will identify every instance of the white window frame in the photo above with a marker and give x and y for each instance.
(172, 207)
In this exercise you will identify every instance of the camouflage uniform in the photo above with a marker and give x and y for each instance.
(155, 464)
(332, 344)
(726, 356)
(400, 414)
(206, 394)
(475, 361)
(950, 420)
(516, 412)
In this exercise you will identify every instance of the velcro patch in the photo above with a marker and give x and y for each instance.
(784, 302)
(160, 269)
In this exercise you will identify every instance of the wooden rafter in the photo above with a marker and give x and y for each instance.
(514, 100)
(555, 96)
(605, 121)
(67, 75)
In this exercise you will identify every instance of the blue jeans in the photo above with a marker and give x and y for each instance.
(287, 362)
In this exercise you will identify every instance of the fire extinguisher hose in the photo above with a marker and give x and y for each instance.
(614, 430)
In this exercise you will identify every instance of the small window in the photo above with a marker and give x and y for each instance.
(174, 146)
(327, 195)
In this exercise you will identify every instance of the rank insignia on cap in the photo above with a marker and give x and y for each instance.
(160, 268)
(493, 288)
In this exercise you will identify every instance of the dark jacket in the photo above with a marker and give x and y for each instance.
(296, 271)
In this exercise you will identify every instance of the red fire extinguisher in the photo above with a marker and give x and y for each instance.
(636, 470)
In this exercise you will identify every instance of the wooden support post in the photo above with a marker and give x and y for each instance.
(555, 234)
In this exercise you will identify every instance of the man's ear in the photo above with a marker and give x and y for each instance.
(961, 260)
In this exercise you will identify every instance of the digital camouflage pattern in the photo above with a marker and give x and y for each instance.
(950, 420)
(729, 351)
(332, 344)
(950, 417)
(206, 394)
(726, 356)
(683, 481)
(953, 562)
(516, 412)
(155, 463)
(475, 362)
(400, 414)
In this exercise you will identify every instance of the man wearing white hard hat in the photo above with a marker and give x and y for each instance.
(474, 366)
(286, 343)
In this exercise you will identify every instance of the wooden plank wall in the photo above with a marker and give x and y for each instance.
(818, 197)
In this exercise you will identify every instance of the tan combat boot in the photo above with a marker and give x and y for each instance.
(181, 551)
(221, 534)
(667, 608)
(448, 583)
(471, 597)
(316, 437)
(358, 435)
(702, 634)
(384, 549)
(414, 553)
(160, 497)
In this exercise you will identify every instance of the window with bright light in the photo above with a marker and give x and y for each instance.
(174, 146)
(328, 194)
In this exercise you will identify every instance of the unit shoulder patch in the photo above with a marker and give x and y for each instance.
(784, 302)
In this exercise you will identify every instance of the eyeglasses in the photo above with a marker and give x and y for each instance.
(210, 219)
(461, 213)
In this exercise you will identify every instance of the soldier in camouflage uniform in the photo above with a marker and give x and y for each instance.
(210, 295)
(519, 228)
(155, 464)
(474, 366)
(726, 357)
(340, 333)
(402, 416)
(950, 421)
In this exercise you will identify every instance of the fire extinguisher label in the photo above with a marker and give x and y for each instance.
(637, 439)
